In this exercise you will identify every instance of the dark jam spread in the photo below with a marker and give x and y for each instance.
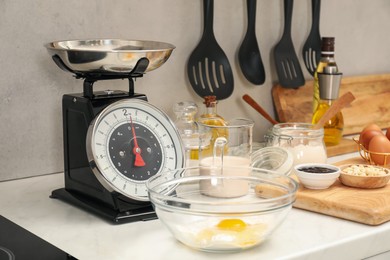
(317, 169)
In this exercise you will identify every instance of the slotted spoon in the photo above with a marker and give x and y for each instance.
(208, 67)
(311, 51)
(286, 61)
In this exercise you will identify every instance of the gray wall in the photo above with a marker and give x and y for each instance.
(32, 86)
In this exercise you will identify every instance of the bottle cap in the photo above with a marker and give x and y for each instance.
(210, 101)
(329, 82)
(185, 108)
(327, 44)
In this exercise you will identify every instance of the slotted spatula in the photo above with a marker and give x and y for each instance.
(286, 61)
(311, 51)
(208, 68)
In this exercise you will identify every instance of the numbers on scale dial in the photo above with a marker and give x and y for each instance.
(130, 130)
(134, 148)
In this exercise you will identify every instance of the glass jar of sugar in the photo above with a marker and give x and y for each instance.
(306, 144)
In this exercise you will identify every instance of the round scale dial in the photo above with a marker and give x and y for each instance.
(129, 142)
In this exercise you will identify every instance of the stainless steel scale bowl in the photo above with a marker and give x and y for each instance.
(110, 56)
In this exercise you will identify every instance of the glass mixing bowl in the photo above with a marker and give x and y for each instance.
(218, 209)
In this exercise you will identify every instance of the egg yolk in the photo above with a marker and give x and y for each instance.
(230, 233)
(232, 225)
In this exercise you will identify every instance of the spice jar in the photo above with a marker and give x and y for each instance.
(306, 144)
(188, 129)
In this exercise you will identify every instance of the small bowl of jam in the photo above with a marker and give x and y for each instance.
(316, 175)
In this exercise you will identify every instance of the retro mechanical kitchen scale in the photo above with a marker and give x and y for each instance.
(114, 141)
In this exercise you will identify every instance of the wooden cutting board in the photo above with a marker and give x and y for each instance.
(345, 146)
(372, 104)
(367, 206)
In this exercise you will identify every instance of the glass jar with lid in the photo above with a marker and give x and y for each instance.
(185, 123)
(305, 143)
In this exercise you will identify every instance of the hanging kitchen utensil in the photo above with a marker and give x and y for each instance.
(208, 67)
(249, 54)
(286, 61)
(248, 99)
(311, 51)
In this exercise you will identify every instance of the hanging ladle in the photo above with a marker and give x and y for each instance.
(249, 54)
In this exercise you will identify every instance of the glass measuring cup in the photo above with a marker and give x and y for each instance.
(222, 147)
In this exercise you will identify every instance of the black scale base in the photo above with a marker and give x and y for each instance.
(82, 188)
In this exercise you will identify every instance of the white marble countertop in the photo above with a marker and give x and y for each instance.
(303, 235)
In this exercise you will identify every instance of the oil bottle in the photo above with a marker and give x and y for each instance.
(211, 118)
(329, 85)
(210, 115)
(327, 59)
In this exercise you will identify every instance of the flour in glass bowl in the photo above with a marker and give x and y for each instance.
(305, 143)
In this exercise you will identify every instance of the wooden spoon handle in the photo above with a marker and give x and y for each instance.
(337, 105)
(259, 109)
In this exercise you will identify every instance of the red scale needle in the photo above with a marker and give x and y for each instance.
(139, 162)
